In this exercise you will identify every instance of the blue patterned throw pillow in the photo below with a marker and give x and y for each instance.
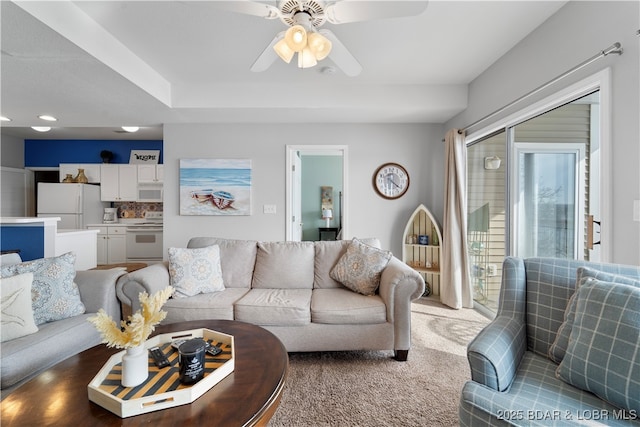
(54, 294)
(359, 269)
(603, 355)
(195, 271)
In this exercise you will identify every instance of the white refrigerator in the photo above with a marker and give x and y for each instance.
(76, 204)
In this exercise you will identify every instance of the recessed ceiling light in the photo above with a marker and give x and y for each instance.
(130, 128)
(47, 118)
(4, 119)
(41, 128)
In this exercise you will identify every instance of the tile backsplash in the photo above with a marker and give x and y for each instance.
(135, 209)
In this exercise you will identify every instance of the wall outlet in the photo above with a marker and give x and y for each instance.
(269, 209)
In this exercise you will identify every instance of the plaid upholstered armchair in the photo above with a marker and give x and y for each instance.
(551, 355)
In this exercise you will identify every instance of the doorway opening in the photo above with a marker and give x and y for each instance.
(316, 189)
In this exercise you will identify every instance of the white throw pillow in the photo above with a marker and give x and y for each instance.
(195, 271)
(17, 314)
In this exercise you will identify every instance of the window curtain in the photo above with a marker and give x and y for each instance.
(455, 290)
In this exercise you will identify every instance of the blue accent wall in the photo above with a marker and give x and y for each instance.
(28, 239)
(52, 152)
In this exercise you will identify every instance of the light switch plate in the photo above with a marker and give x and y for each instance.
(269, 209)
(636, 210)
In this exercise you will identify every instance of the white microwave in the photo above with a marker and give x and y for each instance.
(150, 193)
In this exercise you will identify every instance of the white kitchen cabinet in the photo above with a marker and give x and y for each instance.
(150, 173)
(111, 244)
(91, 170)
(119, 183)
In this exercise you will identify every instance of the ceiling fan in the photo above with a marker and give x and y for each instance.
(304, 35)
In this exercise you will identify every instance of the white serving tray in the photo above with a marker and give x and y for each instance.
(162, 389)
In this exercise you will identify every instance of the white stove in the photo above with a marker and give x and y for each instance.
(144, 238)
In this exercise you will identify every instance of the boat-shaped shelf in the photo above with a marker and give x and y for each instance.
(162, 389)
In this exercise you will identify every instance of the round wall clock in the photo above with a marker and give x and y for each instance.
(391, 180)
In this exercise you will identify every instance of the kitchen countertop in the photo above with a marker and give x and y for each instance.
(69, 231)
(28, 220)
(126, 224)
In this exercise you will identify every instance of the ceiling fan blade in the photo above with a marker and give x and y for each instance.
(341, 56)
(345, 11)
(266, 58)
(248, 7)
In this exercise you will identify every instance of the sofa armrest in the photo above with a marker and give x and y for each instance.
(150, 279)
(495, 353)
(399, 285)
(98, 290)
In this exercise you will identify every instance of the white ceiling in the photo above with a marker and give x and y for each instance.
(145, 63)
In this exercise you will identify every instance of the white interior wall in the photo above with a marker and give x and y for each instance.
(416, 146)
(577, 32)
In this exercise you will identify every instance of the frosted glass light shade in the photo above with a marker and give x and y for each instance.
(296, 38)
(306, 58)
(284, 51)
(319, 45)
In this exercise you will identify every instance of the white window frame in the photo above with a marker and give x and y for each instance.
(600, 81)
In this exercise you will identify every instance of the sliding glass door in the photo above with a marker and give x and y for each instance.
(532, 189)
(548, 184)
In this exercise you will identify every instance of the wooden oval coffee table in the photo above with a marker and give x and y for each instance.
(248, 396)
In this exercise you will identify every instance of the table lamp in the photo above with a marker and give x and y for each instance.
(327, 214)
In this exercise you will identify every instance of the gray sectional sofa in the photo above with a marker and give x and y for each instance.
(542, 363)
(24, 357)
(286, 288)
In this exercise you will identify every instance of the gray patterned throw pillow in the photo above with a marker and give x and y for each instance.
(195, 271)
(359, 269)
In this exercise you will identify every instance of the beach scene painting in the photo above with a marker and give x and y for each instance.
(215, 187)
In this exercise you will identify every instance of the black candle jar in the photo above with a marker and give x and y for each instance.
(192, 360)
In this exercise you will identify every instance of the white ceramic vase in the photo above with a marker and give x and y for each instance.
(135, 366)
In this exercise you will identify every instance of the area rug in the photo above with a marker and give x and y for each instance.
(370, 388)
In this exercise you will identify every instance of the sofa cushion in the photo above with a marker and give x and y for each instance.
(327, 255)
(54, 342)
(284, 265)
(237, 259)
(345, 307)
(54, 294)
(216, 305)
(195, 270)
(275, 307)
(603, 356)
(559, 347)
(17, 314)
(359, 269)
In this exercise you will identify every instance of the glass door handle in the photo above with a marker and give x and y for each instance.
(590, 231)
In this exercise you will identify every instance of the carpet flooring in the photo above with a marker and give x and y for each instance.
(370, 388)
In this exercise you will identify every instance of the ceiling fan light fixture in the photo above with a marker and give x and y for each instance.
(296, 38)
(306, 58)
(284, 51)
(319, 45)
